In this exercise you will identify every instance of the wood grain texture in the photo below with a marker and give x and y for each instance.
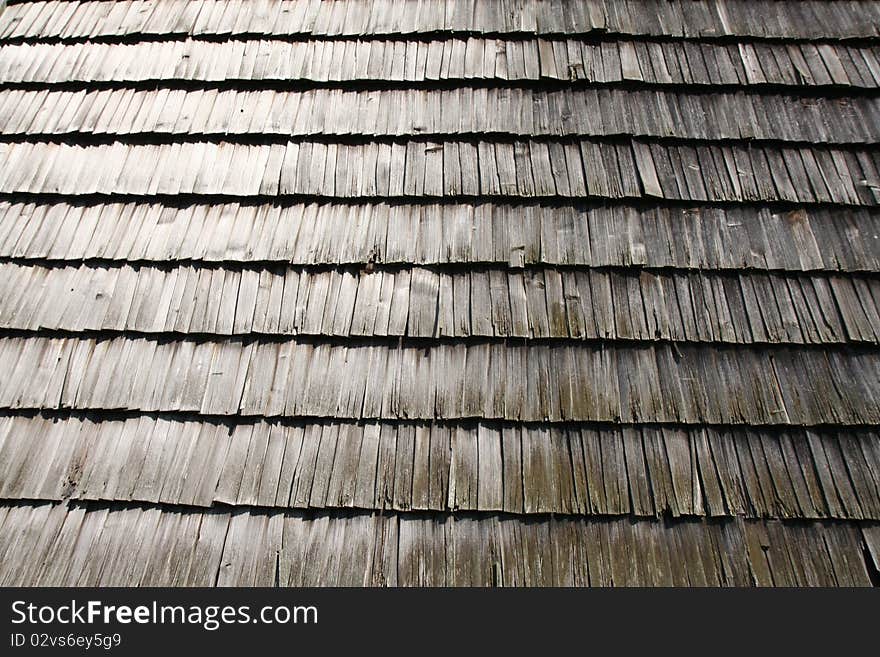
(439, 303)
(247, 548)
(218, 110)
(700, 237)
(510, 61)
(644, 471)
(609, 383)
(609, 170)
(813, 19)
(439, 293)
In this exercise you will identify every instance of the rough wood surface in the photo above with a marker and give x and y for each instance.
(179, 113)
(184, 547)
(497, 293)
(544, 381)
(589, 470)
(688, 306)
(745, 237)
(609, 170)
(701, 64)
(701, 18)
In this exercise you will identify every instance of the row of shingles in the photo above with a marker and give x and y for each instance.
(92, 544)
(643, 471)
(788, 20)
(495, 380)
(703, 64)
(414, 169)
(704, 237)
(465, 111)
(582, 304)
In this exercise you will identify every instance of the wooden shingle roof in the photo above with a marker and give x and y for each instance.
(440, 292)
